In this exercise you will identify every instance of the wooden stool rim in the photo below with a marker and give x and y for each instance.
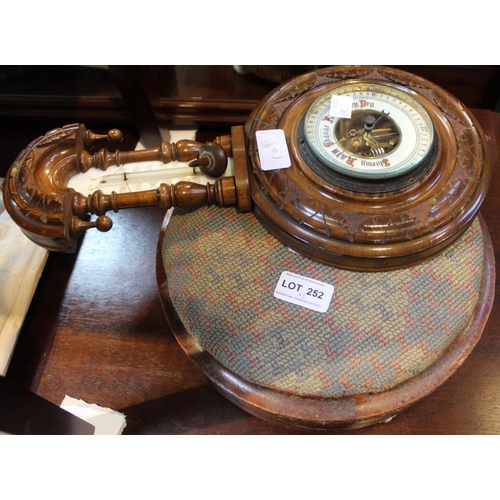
(342, 412)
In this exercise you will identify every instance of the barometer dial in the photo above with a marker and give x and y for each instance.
(388, 132)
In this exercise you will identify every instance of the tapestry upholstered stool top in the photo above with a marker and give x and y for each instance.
(386, 340)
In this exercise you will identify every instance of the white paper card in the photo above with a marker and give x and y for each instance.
(105, 420)
(273, 150)
(341, 106)
(303, 291)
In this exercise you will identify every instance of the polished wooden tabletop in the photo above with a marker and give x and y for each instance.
(96, 331)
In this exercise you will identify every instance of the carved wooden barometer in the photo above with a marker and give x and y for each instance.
(354, 169)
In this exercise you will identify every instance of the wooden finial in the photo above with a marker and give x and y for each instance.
(51, 214)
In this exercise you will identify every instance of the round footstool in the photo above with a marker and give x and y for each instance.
(387, 339)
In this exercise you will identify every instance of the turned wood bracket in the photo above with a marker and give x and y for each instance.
(37, 196)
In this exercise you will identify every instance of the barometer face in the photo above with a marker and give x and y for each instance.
(387, 134)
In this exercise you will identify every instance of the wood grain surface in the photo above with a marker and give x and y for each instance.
(96, 331)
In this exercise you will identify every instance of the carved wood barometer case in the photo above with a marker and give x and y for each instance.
(373, 177)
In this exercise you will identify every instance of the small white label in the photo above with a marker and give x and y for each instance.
(273, 151)
(341, 106)
(303, 291)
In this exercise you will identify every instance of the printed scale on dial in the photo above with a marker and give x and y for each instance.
(387, 134)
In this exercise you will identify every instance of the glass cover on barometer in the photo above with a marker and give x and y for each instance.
(388, 132)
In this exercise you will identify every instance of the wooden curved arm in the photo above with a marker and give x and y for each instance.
(53, 215)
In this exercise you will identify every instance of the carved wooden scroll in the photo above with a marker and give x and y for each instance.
(52, 215)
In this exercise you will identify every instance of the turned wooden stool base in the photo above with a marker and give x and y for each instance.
(387, 340)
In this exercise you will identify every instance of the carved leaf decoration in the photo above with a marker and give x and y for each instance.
(297, 90)
(470, 152)
(428, 93)
(397, 227)
(56, 135)
(322, 218)
(266, 120)
(290, 195)
(443, 208)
